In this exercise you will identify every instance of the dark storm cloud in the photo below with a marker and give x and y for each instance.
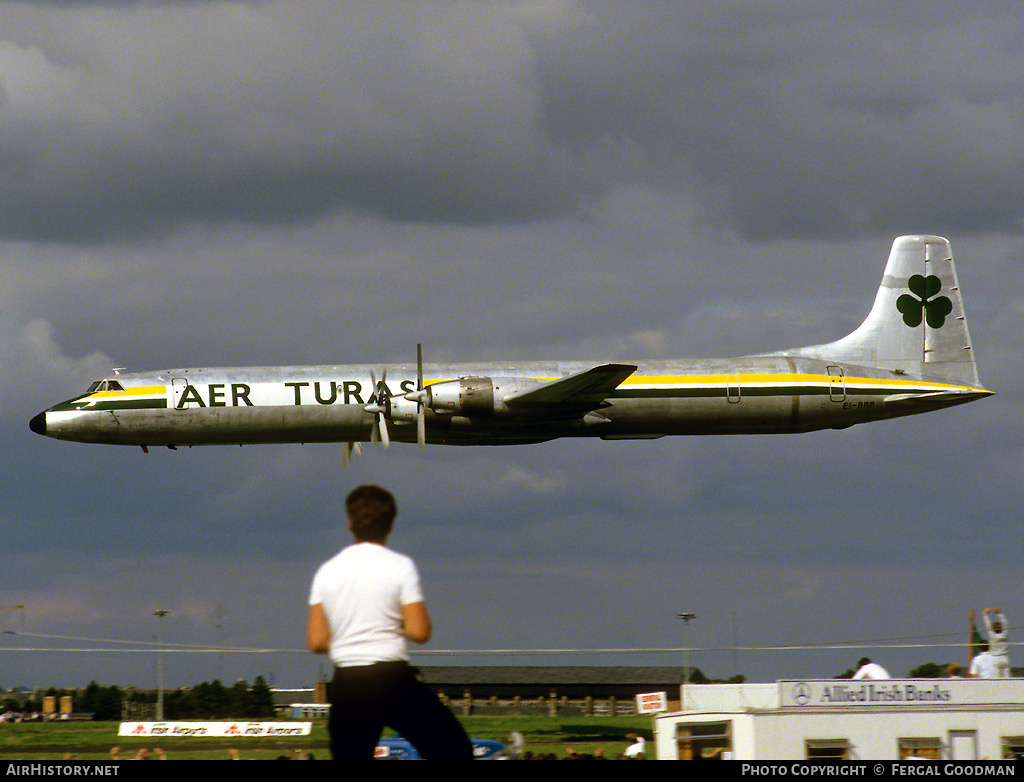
(120, 121)
(790, 121)
(804, 123)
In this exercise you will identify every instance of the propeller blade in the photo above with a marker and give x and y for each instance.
(421, 412)
(345, 448)
(379, 430)
(419, 366)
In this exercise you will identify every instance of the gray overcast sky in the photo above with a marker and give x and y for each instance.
(311, 182)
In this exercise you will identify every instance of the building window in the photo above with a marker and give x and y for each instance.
(828, 749)
(1013, 747)
(963, 745)
(920, 749)
(704, 740)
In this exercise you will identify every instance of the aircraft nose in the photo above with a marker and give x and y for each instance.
(38, 424)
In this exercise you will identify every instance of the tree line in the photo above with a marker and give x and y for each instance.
(209, 700)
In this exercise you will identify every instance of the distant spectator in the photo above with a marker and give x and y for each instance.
(869, 670)
(996, 630)
(636, 750)
(954, 671)
(984, 665)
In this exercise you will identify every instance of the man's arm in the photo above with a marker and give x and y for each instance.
(416, 622)
(318, 631)
(988, 623)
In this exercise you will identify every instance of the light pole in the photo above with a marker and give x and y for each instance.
(686, 616)
(160, 613)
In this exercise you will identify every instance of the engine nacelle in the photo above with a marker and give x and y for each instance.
(470, 396)
(402, 410)
(473, 396)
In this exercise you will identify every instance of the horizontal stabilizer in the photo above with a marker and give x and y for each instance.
(937, 398)
(588, 388)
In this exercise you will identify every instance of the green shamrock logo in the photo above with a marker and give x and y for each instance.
(923, 302)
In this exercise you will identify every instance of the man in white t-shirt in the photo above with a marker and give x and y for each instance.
(363, 606)
(984, 665)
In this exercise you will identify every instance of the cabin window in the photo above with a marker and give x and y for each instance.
(97, 386)
(113, 385)
(920, 749)
(827, 749)
(704, 740)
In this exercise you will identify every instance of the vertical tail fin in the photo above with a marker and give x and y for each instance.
(917, 324)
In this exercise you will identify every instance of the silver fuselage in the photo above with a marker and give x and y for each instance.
(754, 395)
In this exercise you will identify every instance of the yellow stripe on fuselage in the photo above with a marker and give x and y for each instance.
(130, 392)
(766, 380)
(787, 379)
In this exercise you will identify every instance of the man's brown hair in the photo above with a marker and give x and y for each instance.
(371, 512)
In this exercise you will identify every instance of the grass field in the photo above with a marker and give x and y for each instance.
(93, 740)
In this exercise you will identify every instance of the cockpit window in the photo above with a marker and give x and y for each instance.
(105, 385)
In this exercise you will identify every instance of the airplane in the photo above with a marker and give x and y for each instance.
(912, 354)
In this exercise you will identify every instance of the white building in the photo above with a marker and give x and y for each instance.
(891, 719)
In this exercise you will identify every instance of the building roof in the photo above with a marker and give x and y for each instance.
(482, 675)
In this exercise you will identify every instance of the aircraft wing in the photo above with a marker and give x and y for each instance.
(586, 389)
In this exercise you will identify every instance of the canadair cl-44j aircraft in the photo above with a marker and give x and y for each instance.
(911, 355)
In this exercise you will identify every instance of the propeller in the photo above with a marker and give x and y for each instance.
(380, 425)
(421, 408)
(396, 408)
(420, 397)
